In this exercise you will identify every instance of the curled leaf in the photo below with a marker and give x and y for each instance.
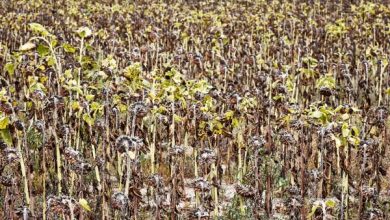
(90, 121)
(84, 203)
(316, 114)
(4, 121)
(27, 46)
(39, 29)
(330, 203)
(84, 32)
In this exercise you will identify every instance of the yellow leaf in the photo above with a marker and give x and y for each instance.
(89, 97)
(344, 130)
(4, 121)
(229, 114)
(337, 140)
(131, 155)
(84, 204)
(330, 203)
(75, 105)
(313, 210)
(345, 116)
(39, 29)
(84, 32)
(90, 121)
(177, 118)
(316, 114)
(27, 46)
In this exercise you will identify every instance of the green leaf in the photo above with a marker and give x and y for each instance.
(68, 48)
(356, 131)
(50, 61)
(43, 50)
(202, 86)
(338, 108)
(95, 106)
(310, 61)
(4, 122)
(345, 130)
(68, 74)
(10, 68)
(229, 114)
(330, 203)
(6, 136)
(38, 28)
(308, 73)
(27, 46)
(388, 91)
(90, 121)
(89, 97)
(345, 116)
(54, 43)
(177, 118)
(355, 141)
(337, 140)
(84, 32)
(313, 210)
(110, 63)
(83, 203)
(75, 105)
(235, 122)
(316, 114)
(326, 81)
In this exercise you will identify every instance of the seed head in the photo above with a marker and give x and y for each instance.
(245, 190)
(126, 143)
(119, 201)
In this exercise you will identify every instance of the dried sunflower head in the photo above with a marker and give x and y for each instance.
(201, 185)
(155, 180)
(62, 204)
(258, 141)
(207, 156)
(19, 125)
(200, 213)
(296, 124)
(6, 107)
(40, 125)
(126, 143)
(11, 155)
(54, 101)
(6, 181)
(81, 167)
(38, 95)
(3, 145)
(119, 201)
(294, 190)
(294, 202)
(245, 190)
(71, 155)
(369, 192)
(286, 137)
(139, 108)
(314, 175)
(373, 214)
(325, 91)
(381, 114)
(64, 131)
(100, 124)
(279, 205)
(23, 212)
(176, 151)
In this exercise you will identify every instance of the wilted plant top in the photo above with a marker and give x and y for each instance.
(194, 109)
